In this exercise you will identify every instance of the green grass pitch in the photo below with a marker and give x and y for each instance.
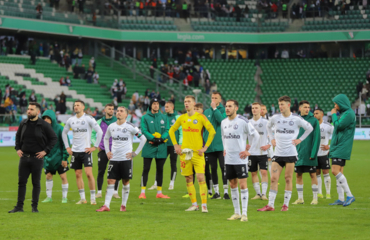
(166, 219)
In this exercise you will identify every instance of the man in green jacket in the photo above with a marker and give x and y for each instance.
(215, 114)
(56, 160)
(341, 145)
(307, 153)
(154, 126)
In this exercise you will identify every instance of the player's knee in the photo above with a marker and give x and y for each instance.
(288, 179)
(334, 171)
(264, 173)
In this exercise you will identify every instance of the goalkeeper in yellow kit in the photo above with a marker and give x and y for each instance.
(192, 150)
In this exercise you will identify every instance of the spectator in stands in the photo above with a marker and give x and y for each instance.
(56, 4)
(62, 103)
(41, 50)
(74, 57)
(79, 57)
(190, 78)
(92, 63)
(51, 107)
(56, 102)
(272, 109)
(96, 78)
(153, 67)
(146, 102)
(285, 54)
(172, 99)
(32, 98)
(32, 51)
(88, 111)
(248, 109)
(39, 10)
(21, 93)
(364, 92)
(284, 9)
(152, 94)
(115, 103)
(67, 62)
(274, 9)
(60, 59)
(73, 4)
(186, 83)
(1, 96)
(89, 75)
(196, 78)
(185, 10)
(23, 104)
(44, 105)
(95, 114)
(81, 5)
(68, 81)
(131, 106)
(158, 95)
(207, 86)
(51, 54)
(147, 92)
(213, 87)
(124, 91)
(94, 19)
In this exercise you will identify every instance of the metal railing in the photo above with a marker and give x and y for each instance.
(118, 59)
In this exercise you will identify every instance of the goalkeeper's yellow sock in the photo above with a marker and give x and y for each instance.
(203, 192)
(159, 190)
(192, 193)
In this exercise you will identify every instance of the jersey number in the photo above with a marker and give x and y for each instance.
(72, 158)
(110, 167)
(249, 162)
(183, 164)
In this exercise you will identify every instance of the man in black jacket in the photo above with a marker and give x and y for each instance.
(34, 139)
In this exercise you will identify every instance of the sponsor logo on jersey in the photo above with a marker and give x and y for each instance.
(236, 126)
(232, 136)
(189, 120)
(285, 122)
(322, 129)
(261, 133)
(287, 131)
(83, 122)
(291, 123)
(195, 121)
(79, 130)
(118, 138)
(162, 122)
(173, 121)
(322, 137)
(190, 129)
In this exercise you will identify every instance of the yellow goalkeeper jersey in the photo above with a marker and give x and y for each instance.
(192, 131)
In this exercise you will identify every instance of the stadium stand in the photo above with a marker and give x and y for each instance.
(317, 80)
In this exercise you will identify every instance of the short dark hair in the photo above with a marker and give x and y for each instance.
(319, 109)
(80, 101)
(38, 106)
(199, 105)
(234, 101)
(303, 102)
(285, 99)
(109, 105)
(215, 92)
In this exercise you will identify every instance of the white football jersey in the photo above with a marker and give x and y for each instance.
(261, 126)
(82, 128)
(122, 140)
(326, 130)
(286, 130)
(234, 138)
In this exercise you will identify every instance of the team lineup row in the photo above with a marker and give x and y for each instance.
(219, 136)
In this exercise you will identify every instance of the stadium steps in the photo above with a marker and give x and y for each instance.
(317, 80)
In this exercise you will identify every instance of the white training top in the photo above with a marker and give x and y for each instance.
(326, 130)
(234, 138)
(287, 130)
(122, 140)
(82, 128)
(261, 126)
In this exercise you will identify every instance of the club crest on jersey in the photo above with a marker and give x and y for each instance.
(321, 129)
(291, 123)
(236, 126)
(73, 123)
(83, 122)
(124, 130)
(162, 122)
(173, 121)
(260, 125)
(195, 121)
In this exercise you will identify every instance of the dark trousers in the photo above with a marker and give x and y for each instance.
(173, 161)
(207, 174)
(27, 166)
(102, 166)
(159, 173)
(212, 159)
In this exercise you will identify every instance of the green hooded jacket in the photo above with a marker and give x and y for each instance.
(151, 123)
(344, 129)
(215, 117)
(308, 148)
(171, 118)
(53, 160)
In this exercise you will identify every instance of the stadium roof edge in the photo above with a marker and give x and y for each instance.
(82, 31)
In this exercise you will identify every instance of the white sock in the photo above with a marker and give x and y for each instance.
(256, 187)
(235, 199)
(210, 187)
(108, 195)
(272, 197)
(327, 181)
(155, 183)
(115, 192)
(215, 187)
(264, 188)
(82, 194)
(125, 194)
(173, 179)
(99, 191)
(287, 196)
(64, 190)
(49, 188)
(172, 183)
(226, 188)
(343, 182)
(244, 195)
(340, 191)
(299, 190)
(319, 184)
(314, 191)
(194, 204)
(92, 195)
